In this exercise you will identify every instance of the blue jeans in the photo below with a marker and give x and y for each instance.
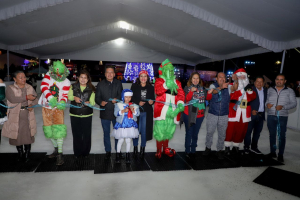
(142, 130)
(106, 129)
(191, 133)
(272, 122)
(256, 125)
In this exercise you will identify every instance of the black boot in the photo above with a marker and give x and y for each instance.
(142, 152)
(127, 158)
(54, 154)
(135, 151)
(60, 160)
(117, 158)
(107, 155)
(227, 151)
(27, 151)
(207, 151)
(235, 151)
(20, 152)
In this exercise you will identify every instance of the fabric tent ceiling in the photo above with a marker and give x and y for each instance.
(185, 31)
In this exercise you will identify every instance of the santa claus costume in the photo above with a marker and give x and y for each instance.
(239, 112)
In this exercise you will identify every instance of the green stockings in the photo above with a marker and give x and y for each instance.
(58, 143)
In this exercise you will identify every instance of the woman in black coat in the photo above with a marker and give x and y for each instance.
(143, 90)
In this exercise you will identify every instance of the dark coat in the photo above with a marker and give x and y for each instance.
(136, 98)
(255, 103)
(3, 110)
(105, 91)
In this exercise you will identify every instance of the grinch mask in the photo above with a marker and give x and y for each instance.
(166, 71)
(58, 71)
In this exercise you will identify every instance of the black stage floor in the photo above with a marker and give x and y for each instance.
(39, 163)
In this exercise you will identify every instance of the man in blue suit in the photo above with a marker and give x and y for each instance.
(257, 116)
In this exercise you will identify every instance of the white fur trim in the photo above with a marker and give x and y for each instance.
(236, 144)
(249, 92)
(180, 102)
(120, 113)
(227, 144)
(126, 94)
(240, 111)
(165, 85)
(2, 84)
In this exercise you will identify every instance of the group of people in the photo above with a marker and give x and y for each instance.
(236, 110)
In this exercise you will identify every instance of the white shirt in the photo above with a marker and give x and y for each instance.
(261, 99)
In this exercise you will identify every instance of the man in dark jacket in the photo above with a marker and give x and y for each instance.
(280, 100)
(109, 88)
(257, 116)
(217, 117)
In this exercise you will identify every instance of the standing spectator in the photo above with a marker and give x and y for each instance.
(3, 110)
(193, 114)
(109, 88)
(82, 92)
(20, 127)
(217, 116)
(280, 99)
(143, 90)
(33, 81)
(257, 116)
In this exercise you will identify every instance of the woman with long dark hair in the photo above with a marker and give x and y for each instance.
(193, 114)
(82, 91)
(143, 90)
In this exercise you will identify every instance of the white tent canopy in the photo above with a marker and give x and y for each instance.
(185, 31)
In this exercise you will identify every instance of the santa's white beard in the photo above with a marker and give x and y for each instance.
(243, 83)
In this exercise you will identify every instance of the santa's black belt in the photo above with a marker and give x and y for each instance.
(233, 101)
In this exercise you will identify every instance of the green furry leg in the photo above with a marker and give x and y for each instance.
(164, 129)
(59, 131)
(48, 131)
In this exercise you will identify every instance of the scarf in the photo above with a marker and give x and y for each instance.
(129, 115)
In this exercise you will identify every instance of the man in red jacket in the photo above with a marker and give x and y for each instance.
(239, 111)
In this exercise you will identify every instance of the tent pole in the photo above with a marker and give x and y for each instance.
(39, 66)
(282, 61)
(7, 63)
(223, 66)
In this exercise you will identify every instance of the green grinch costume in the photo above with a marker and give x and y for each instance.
(55, 87)
(169, 103)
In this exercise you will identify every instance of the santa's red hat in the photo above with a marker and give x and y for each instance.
(240, 71)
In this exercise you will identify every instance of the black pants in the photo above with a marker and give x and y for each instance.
(82, 133)
(256, 125)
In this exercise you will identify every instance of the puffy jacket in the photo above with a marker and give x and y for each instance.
(285, 98)
(219, 108)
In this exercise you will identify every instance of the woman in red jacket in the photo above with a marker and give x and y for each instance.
(194, 113)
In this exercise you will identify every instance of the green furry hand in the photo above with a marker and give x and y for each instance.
(179, 109)
(171, 86)
(53, 102)
(61, 105)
